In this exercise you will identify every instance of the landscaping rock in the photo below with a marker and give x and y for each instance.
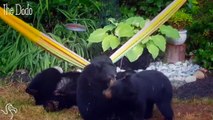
(190, 79)
(199, 74)
(179, 73)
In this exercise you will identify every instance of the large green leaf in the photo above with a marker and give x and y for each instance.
(153, 50)
(145, 40)
(97, 36)
(110, 41)
(136, 21)
(159, 41)
(113, 21)
(109, 27)
(124, 30)
(169, 31)
(135, 52)
(114, 41)
(105, 44)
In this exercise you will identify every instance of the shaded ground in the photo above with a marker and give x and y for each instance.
(198, 89)
(190, 109)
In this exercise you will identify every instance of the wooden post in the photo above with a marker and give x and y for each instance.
(175, 53)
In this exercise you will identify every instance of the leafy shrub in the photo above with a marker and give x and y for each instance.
(147, 8)
(180, 19)
(117, 33)
(109, 9)
(204, 57)
(200, 34)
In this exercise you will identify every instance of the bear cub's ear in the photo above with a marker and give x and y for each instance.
(101, 58)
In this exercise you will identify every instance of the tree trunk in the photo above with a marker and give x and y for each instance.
(175, 53)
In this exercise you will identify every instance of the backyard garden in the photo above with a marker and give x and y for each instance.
(91, 28)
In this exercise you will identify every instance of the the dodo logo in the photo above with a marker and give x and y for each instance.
(9, 109)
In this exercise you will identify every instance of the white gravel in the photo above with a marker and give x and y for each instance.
(178, 73)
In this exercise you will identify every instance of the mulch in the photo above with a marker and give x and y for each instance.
(199, 89)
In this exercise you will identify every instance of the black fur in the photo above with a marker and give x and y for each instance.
(94, 79)
(65, 93)
(54, 90)
(136, 94)
(43, 85)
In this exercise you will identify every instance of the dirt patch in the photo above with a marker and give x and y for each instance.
(193, 112)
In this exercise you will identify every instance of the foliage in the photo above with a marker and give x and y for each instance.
(200, 34)
(46, 13)
(17, 52)
(109, 9)
(204, 57)
(192, 6)
(117, 33)
(48, 16)
(127, 11)
(180, 19)
(148, 8)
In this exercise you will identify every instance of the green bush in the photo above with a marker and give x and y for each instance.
(200, 34)
(180, 19)
(146, 8)
(117, 33)
(204, 57)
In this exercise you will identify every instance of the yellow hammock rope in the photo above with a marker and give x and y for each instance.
(42, 39)
(148, 29)
(59, 50)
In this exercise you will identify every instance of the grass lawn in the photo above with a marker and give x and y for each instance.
(196, 109)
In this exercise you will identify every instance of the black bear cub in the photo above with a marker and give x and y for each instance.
(93, 80)
(64, 96)
(137, 93)
(54, 89)
(43, 85)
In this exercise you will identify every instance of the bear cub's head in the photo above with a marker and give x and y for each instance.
(121, 88)
(101, 70)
